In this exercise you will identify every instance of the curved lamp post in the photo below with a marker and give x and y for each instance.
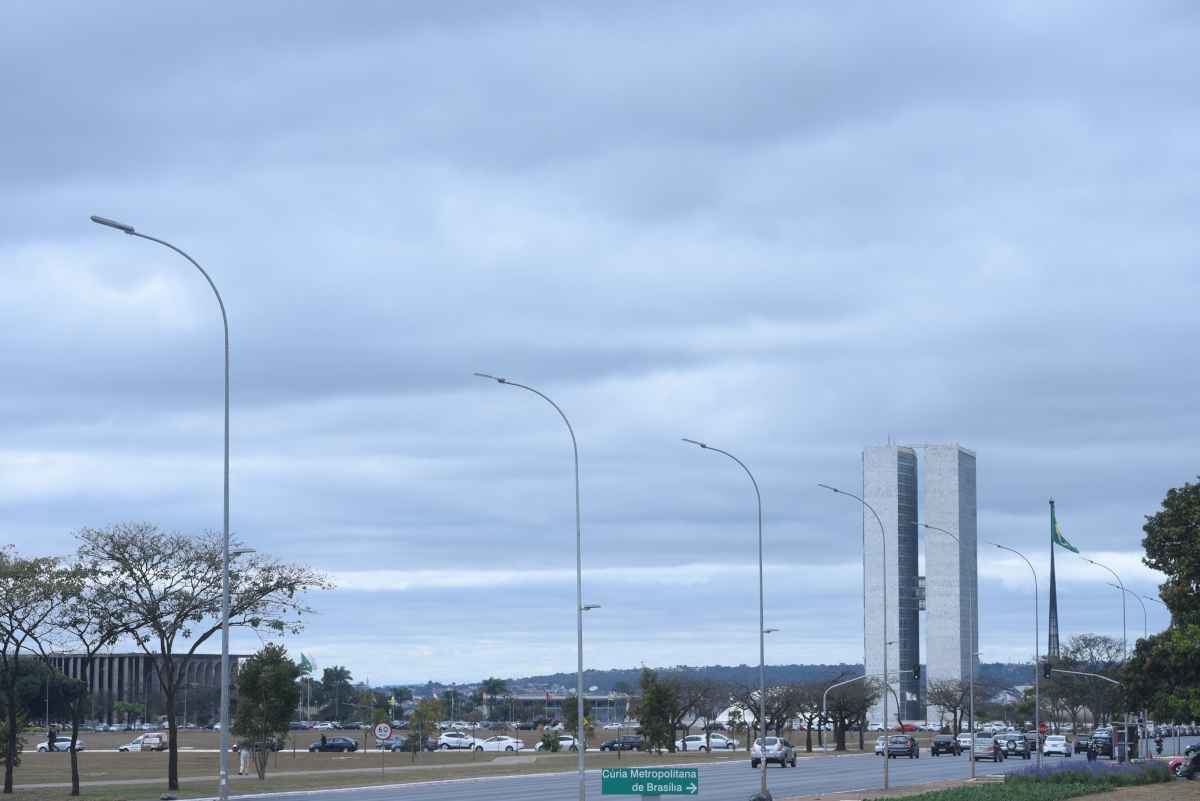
(974, 623)
(579, 606)
(887, 740)
(1124, 639)
(1037, 684)
(763, 792)
(224, 759)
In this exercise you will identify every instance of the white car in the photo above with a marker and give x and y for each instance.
(324, 726)
(146, 742)
(565, 743)
(696, 742)
(501, 742)
(60, 744)
(879, 746)
(553, 727)
(1056, 744)
(456, 739)
(614, 726)
(965, 741)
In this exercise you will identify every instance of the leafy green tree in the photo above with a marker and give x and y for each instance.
(422, 722)
(1163, 675)
(1172, 545)
(12, 745)
(492, 688)
(337, 691)
(170, 585)
(31, 592)
(550, 742)
(128, 710)
(658, 703)
(267, 695)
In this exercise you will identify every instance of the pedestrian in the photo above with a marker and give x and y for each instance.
(244, 757)
(1091, 751)
(322, 742)
(50, 745)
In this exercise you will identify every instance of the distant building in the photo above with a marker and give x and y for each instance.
(599, 708)
(133, 678)
(890, 487)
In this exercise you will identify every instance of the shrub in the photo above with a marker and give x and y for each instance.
(550, 742)
(1105, 774)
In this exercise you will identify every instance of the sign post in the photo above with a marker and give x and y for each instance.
(382, 731)
(650, 781)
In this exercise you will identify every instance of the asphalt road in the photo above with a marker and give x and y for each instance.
(719, 781)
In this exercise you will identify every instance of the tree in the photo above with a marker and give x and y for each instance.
(31, 591)
(658, 701)
(1096, 653)
(128, 710)
(848, 706)
(267, 694)
(424, 718)
(712, 699)
(336, 688)
(492, 688)
(1172, 545)
(91, 622)
(952, 696)
(170, 586)
(806, 705)
(11, 746)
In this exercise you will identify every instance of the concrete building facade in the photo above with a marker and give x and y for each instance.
(951, 578)
(890, 487)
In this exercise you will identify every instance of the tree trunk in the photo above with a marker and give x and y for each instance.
(172, 731)
(11, 746)
(75, 714)
(808, 737)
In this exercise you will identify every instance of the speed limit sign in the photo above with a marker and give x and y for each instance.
(382, 731)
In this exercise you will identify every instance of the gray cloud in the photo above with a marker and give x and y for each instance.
(791, 232)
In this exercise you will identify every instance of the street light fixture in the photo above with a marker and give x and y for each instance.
(974, 624)
(1037, 673)
(887, 740)
(224, 758)
(579, 607)
(1124, 640)
(764, 794)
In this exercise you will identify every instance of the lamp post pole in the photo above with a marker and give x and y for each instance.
(224, 757)
(1145, 636)
(1124, 640)
(974, 623)
(1037, 673)
(886, 680)
(825, 696)
(764, 794)
(579, 607)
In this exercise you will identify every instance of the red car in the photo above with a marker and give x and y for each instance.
(1177, 765)
(906, 727)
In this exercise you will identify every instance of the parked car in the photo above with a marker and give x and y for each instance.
(903, 745)
(1082, 741)
(61, 744)
(698, 742)
(986, 747)
(501, 742)
(626, 742)
(965, 740)
(298, 725)
(879, 742)
(338, 744)
(271, 744)
(1015, 745)
(555, 726)
(565, 743)
(613, 726)
(146, 742)
(397, 742)
(1056, 744)
(944, 744)
(456, 739)
(777, 750)
(324, 725)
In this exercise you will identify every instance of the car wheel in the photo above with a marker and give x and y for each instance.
(702, 748)
(445, 746)
(479, 748)
(1179, 770)
(572, 748)
(508, 748)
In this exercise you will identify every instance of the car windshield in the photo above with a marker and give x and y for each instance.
(770, 741)
(899, 738)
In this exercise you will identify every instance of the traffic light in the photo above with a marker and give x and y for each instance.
(916, 672)
(1046, 669)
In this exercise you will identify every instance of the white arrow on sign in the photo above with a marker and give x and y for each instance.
(692, 788)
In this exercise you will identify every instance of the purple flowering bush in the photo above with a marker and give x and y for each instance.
(1107, 774)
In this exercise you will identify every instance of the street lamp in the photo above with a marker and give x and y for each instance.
(1124, 641)
(224, 759)
(1037, 685)
(887, 740)
(974, 623)
(1158, 601)
(579, 607)
(763, 794)
(1145, 614)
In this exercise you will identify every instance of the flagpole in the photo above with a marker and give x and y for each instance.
(1052, 646)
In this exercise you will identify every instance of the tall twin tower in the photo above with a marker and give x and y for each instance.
(944, 500)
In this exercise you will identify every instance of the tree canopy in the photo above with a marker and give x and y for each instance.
(267, 696)
(1172, 545)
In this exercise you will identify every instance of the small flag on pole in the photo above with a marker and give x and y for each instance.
(1056, 535)
(307, 666)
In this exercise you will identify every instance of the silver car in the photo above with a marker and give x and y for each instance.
(777, 750)
(988, 748)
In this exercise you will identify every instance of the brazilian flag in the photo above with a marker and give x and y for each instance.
(1056, 535)
(307, 666)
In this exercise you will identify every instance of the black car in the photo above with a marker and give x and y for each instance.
(342, 744)
(1082, 741)
(944, 744)
(626, 742)
(902, 745)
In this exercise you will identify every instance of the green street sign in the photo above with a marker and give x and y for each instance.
(650, 781)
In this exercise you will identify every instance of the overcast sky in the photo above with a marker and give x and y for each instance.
(788, 229)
